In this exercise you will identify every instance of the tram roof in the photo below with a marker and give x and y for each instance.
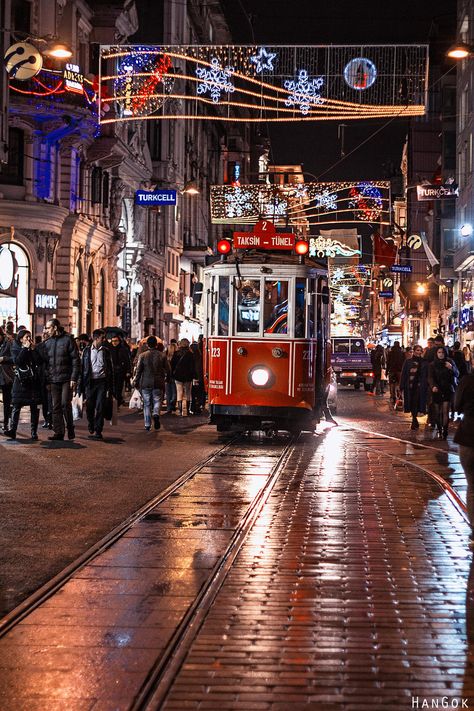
(266, 257)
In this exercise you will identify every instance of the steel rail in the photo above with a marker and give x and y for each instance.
(52, 586)
(447, 489)
(160, 678)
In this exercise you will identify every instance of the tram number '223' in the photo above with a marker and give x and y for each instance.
(215, 352)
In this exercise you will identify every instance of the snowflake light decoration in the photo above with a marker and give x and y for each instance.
(238, 203)
(338, 274)
(304, 92)
(327, 200)
(263, 60)
(301, 191)
(344, 290)
(215, 80)
(367, 199)
(275, 208)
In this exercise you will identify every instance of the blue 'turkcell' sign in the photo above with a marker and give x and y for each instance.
(386, 294)
(401, 269)
(147, 198)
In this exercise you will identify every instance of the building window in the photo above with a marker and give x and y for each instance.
(105, 190)
(96, 186)
(21, 15)
(11, 173)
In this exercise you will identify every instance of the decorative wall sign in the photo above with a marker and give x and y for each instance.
(324, 247)
(302, 203)
(252, 83)
(23, 61)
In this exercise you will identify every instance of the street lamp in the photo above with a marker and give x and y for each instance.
(460, 50)
(466, 230)
(190, 188)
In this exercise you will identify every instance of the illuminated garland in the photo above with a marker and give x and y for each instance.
(279, 83)
(311, 203)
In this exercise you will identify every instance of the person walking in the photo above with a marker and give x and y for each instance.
(197, 388)
(184, 372)
(26, 389)
(395, 361)
(377, 358)
(62, 372)
(442, 375)
(122, 366)
(96, 382)
(150, 378)
(464, 437)
(7, 375)
(458, 357)
(467, 357)
(412, 385)
(170, 388)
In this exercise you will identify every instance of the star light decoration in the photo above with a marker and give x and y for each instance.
(215, 80)
(263, 60)
(304, 92)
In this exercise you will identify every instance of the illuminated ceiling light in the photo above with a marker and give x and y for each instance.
(466, 230)
(59, 50)
(461, 50)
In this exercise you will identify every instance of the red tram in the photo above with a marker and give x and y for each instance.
(267, 340)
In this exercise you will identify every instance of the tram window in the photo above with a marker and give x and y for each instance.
(357, 346)
(300, 308)
(223, 308)
(248, 307)
(312, 309)
(341, 345)
(275, 313)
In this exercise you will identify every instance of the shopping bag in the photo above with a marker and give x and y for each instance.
(77, 407)
(135, 401)
(114, 418)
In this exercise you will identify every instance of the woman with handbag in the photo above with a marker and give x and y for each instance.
(26, 383)
(442, 379)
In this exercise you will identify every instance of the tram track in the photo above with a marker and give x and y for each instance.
(48, 589)
(452, 495)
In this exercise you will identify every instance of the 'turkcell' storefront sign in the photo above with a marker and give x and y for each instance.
(148, 198)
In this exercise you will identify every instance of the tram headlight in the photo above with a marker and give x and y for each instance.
(260, 377)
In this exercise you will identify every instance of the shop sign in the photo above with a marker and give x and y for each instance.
(148, 198)
(401, 269)
(386, 294)
(46, 301)
(437, 192)
(73, 79)
(466, 318)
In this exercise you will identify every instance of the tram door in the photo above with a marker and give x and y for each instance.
(322, 339)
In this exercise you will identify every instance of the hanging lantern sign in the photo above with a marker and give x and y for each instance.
(23, 61)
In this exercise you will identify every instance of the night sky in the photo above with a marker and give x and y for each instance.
(343, 22)
(334, 22)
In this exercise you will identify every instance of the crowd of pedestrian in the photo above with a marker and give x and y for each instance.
(51, 370)
(423, 380)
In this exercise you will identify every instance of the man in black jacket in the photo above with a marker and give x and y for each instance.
(96, 381)
(62, 371)
(122, 365)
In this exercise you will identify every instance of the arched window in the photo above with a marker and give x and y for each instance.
(90, 300)
(77, 300)
(14, 302)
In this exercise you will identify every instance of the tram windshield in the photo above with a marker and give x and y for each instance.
(248, 307)
(223, 308)
(275, 314)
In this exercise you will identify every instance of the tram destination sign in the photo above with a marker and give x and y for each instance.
(264, 236)
(149, 198)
